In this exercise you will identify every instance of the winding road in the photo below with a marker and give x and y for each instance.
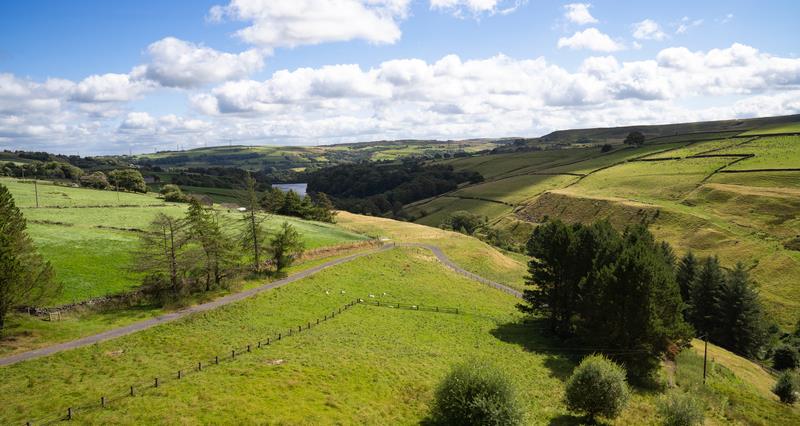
(231, 298)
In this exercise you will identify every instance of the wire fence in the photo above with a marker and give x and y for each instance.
(146, 386)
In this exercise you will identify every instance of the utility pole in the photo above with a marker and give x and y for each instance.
(36, 191)
(705, 357)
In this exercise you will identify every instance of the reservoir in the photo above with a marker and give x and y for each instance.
(299, 188)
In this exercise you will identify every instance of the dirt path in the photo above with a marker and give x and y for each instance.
(172, 316)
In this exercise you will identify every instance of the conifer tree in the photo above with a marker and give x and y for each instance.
(741, 316)
(685, 274)
(162, 254)
(285, 246)
(253, 232)
(24, 276)
(217, 247)
(705, 297)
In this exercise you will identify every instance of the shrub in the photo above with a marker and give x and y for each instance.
(597, 387)
(680, 409)
(476, 394)
(173, 193)
(786, 388)
(96, 180)
(785, 357)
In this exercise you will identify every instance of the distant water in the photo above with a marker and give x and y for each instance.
(299, 188)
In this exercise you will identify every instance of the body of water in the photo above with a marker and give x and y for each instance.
(299, 188)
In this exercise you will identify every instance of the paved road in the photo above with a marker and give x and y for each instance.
(449, 263)
(172, 316)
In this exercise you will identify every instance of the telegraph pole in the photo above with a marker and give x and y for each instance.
(705, 357)
(36, 191)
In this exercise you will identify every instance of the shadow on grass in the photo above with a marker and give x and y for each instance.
(531, 335)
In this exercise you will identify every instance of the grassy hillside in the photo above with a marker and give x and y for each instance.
(89, 235)
(302, 157)
(368, 365)
(736, 197)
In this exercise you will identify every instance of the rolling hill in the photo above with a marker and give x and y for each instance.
(733, 195)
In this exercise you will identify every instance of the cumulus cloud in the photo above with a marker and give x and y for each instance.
(177, 63)
(648, 30)
(578, 13)
(109, 88)
(290, 23)
(448, 98)
(590, 39)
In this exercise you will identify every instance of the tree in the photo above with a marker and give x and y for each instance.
(635, 139)
(606, 147)
(173, 193)
(743, 326)
(477, 393)
(705, 296)
(218, 249)
(685, 275)
(162, 255)
(253, 233)
(272, 201)
(555, 291)
(95, 180)
(597, 387)
(127, 179)
(464, 222)
(786, 387)
(637, 311)
(24, 276)
(785, 357)
(325, 210)
(285, 246)
(292, 204)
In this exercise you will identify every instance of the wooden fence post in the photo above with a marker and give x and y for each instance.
(155, 384)
(233, 354)
(248, 348)
(69, 413)
(179, 374)
(268, 340)
(132, 394)
(102, 401)
(199, 366)
(216, 359)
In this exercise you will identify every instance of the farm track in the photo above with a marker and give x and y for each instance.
(222, 301)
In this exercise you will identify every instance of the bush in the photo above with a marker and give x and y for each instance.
(786, 388)
(597, 387)
(785, 357)
(476, 394)
(173, 193)
(680, 409)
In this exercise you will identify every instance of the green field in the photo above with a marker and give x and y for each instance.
(690, 202)
(368, 365)
(91, 247)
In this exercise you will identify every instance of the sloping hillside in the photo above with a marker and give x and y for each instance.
(735, 196)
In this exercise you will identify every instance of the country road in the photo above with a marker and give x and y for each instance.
(172, 316)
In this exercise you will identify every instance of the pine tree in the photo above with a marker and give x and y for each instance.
(253, 232)
(292, 204)
(162, 254)
(742, 324)
(705, 296)
(285, 246)
(687, 270)
(217, 247)
(24, 276)
(326, 212)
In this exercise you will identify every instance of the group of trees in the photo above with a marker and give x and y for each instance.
(25, 278)
(315, 206)
(122, 179)
(383, 189)
(42, 170)
(199, 252)
(723, 306)
(609, 290)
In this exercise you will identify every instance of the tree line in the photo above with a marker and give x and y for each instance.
(383, 189)
(125, 179)
(200, 252)
(628, 294)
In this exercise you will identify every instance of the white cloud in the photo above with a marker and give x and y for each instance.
(648, 30)
(578, 13)
(461, 8)
(685, 24)
(177, 63)
(590, 39)
(109, 88)
(449, 98)
(725, 19)
(289, 23)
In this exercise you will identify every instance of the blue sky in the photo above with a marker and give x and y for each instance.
(106, 77)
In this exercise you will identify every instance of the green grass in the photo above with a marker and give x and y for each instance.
(770, 153)
(699, 148)
(773, 129)
(368, 365)
(434, 211)
(91, 247)
(516, 189)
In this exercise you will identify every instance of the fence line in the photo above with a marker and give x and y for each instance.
(144, 386)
